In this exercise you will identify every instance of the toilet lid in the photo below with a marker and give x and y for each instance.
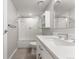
(33, 43)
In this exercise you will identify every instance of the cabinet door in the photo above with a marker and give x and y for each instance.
(38, 52)
(45, 54)
(42, 53)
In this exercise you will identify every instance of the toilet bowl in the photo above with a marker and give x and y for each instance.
(33, 46)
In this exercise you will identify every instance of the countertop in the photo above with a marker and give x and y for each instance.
(62, 52)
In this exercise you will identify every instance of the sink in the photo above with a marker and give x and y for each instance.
(70, 40)
(61, 48)
(50, 37)
(59, 42)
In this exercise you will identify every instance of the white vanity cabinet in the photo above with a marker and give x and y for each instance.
(42, 53)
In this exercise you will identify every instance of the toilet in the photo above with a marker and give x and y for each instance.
(33, 46)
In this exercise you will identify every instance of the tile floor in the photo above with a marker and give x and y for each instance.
(23, 53)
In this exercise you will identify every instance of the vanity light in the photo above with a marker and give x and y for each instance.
(40, 2)
(58, 1)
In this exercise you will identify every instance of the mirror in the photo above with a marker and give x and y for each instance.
(64, 22)
(64, 14)
(61, 22)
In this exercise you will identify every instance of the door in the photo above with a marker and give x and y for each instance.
(5, 31)
(28, 29)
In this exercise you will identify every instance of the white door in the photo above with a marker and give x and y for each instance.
(5, 31)
(5, 46)
(28, 28)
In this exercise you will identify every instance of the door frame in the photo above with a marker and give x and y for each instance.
(5, 29)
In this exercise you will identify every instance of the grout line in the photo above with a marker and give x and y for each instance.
(13, 53)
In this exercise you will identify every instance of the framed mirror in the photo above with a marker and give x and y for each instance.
(65, 20)
(64, 23)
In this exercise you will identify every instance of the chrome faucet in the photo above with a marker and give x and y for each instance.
(61, 34)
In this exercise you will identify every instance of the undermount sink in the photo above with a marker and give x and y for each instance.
(59, 42)
(51, 37)
(63, 43)
(61, 48)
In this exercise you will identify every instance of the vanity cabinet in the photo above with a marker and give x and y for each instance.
(42, 53)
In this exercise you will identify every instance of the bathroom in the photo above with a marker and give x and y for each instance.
(39, 29)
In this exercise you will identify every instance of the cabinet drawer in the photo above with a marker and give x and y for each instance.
(42, 52)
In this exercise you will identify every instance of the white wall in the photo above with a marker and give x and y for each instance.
(12, 32)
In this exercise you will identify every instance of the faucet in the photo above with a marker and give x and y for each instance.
(61, 34)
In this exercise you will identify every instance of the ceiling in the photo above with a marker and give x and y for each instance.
(31, 7)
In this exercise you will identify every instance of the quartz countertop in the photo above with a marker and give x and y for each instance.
(62, 52)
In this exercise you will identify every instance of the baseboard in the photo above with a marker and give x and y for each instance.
(13, 53)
